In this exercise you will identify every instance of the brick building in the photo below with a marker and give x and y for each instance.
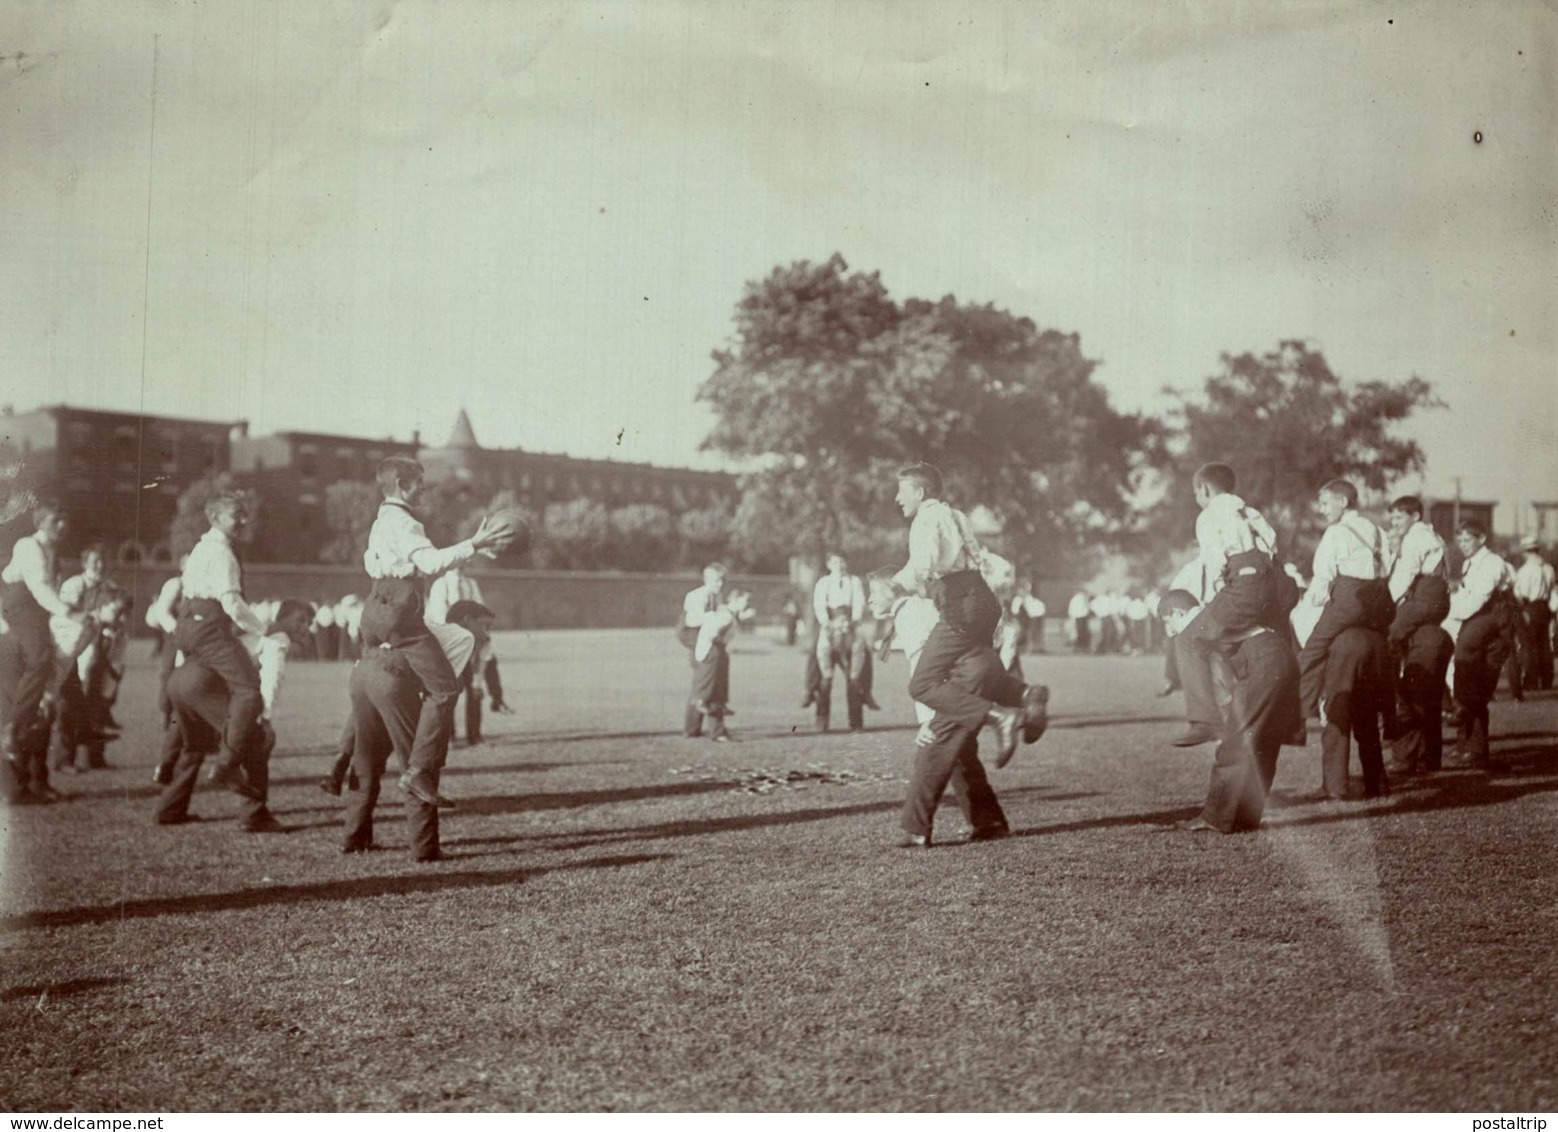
(290, 471)
(118, 475)
(540, 478)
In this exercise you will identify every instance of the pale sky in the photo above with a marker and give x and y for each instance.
(362, 216)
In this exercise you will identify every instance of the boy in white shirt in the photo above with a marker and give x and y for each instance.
(1348, 582)
(1480, 614)
(212, 617)
(711, 666)
(401, 559)
(1241, 588)
(29, 597)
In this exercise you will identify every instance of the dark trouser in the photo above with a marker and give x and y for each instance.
(1426, 603)
(1420, 698)
(1480, 652)
(1359, 694)
(435, 724)
(385, 716)
(472, 693)
(1536, 664)
(71, 735)
(27, 773)
(1354, 603)
(969, 615)
(206, 635)
(851, 655)
(27, 664)
(202, 712)
(710, 692)
(1246, 600)
(1262, 715)
(953, 757)
(1083, 635)
(1353, 713)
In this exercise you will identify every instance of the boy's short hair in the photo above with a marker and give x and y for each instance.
(1176, 601)
(1218, 477)
(220, 502)
(92, 548)
(885, 576)
(836, 556)
(717, 567)
(926, 475)
(467, 610)
(1344, 490)
(292, 607)
(1409, 505)
(395, 472)
(1472, 527)
(43, 507)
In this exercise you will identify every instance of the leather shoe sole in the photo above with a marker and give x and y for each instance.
(1035, 713)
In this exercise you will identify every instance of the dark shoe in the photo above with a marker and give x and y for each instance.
(175, 819)
(263, 822)
(45, 794)
(811, 698)
(1167, 688)
(1035, 713)
(1195, 735)
(1314, 796)
(429, 858)
(420, 786)
(990, 833)
(914, 841)
(229, 775)
(1195, 825)
(358, 847)
(1462, 761)
(1006, 723)
(352, 781)
(163, 775)
(867, 701)
(331, 786)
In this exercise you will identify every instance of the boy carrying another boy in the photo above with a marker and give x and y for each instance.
(947, 748)
(944, 559)
(400, 560)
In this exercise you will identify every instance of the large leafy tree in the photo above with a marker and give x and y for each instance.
(829, 386)
(350, 508)
(1287, 423)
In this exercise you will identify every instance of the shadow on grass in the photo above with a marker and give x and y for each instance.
(436, 879)
(702, 827)
(62, 990)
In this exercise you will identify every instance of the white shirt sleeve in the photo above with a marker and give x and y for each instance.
(270, 657)
(713, 624)
(160, 613)
(439, 599)
(1484, 574)
(29, 562)
(819, 599)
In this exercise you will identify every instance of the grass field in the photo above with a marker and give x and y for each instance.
(630, 920)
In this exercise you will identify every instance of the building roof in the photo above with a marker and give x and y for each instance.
(463, 436)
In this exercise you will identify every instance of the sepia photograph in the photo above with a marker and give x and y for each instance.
(871, 556)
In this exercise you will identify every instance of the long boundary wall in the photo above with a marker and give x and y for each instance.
(522, 599)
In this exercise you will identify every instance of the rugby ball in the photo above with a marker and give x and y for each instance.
(514, 533)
